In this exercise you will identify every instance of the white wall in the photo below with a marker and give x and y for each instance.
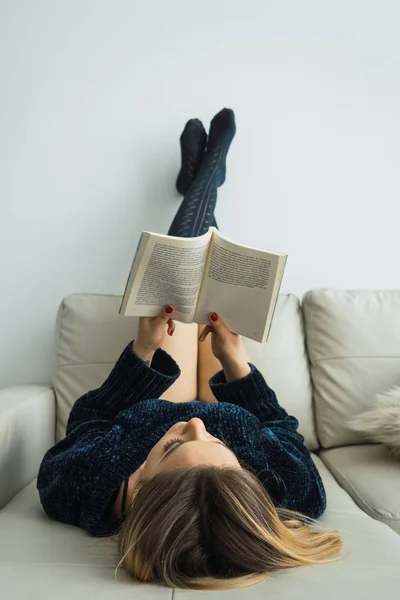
(94, 96)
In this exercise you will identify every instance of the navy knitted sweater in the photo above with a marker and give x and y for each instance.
(111, 430)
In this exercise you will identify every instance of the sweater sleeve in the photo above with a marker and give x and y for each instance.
(290, 475)
(130, 381)
(250, 392)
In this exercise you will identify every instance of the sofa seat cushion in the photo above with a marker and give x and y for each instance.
(371, 476)
(59, 560)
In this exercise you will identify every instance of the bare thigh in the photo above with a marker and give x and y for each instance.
(207, 366)
(183, 347)
(196, 361)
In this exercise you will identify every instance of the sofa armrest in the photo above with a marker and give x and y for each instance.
(27, 431)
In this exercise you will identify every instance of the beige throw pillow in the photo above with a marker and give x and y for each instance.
(382, 423)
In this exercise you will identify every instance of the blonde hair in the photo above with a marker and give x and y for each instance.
(209, 528)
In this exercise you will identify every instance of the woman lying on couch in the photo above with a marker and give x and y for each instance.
(212, 493)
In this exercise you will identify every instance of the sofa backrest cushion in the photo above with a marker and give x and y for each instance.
(353, 342)
(91, 335)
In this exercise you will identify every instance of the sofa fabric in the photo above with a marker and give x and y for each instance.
(353, 342)
(353, 345)
(63, 561)
(371, 477)
(27, 426)
(91, 335)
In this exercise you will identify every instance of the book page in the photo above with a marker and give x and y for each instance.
(166, 270)
(274, 296)
(238, 284)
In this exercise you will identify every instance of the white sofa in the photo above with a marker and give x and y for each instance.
(325, 359)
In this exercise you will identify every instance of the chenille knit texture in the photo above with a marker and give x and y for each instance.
(111, 430)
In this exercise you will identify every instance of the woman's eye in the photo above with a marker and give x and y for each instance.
(171, 443)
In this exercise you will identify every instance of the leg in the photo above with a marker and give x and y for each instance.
(193, 142)
(207, 366)
(194, 218)
(183, 347)
(196, 213)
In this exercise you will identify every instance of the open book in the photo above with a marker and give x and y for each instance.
(203, 274)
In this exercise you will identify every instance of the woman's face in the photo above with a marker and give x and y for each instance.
(187, 443)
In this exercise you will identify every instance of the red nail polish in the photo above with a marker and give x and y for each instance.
(169, 309)
(214, 317)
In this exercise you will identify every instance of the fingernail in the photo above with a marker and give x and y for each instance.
(214, 317)
(169, 309)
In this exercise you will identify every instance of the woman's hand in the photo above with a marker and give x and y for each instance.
(151, 333)
(227, 347)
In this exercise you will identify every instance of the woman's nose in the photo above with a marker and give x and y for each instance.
(195, 429)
